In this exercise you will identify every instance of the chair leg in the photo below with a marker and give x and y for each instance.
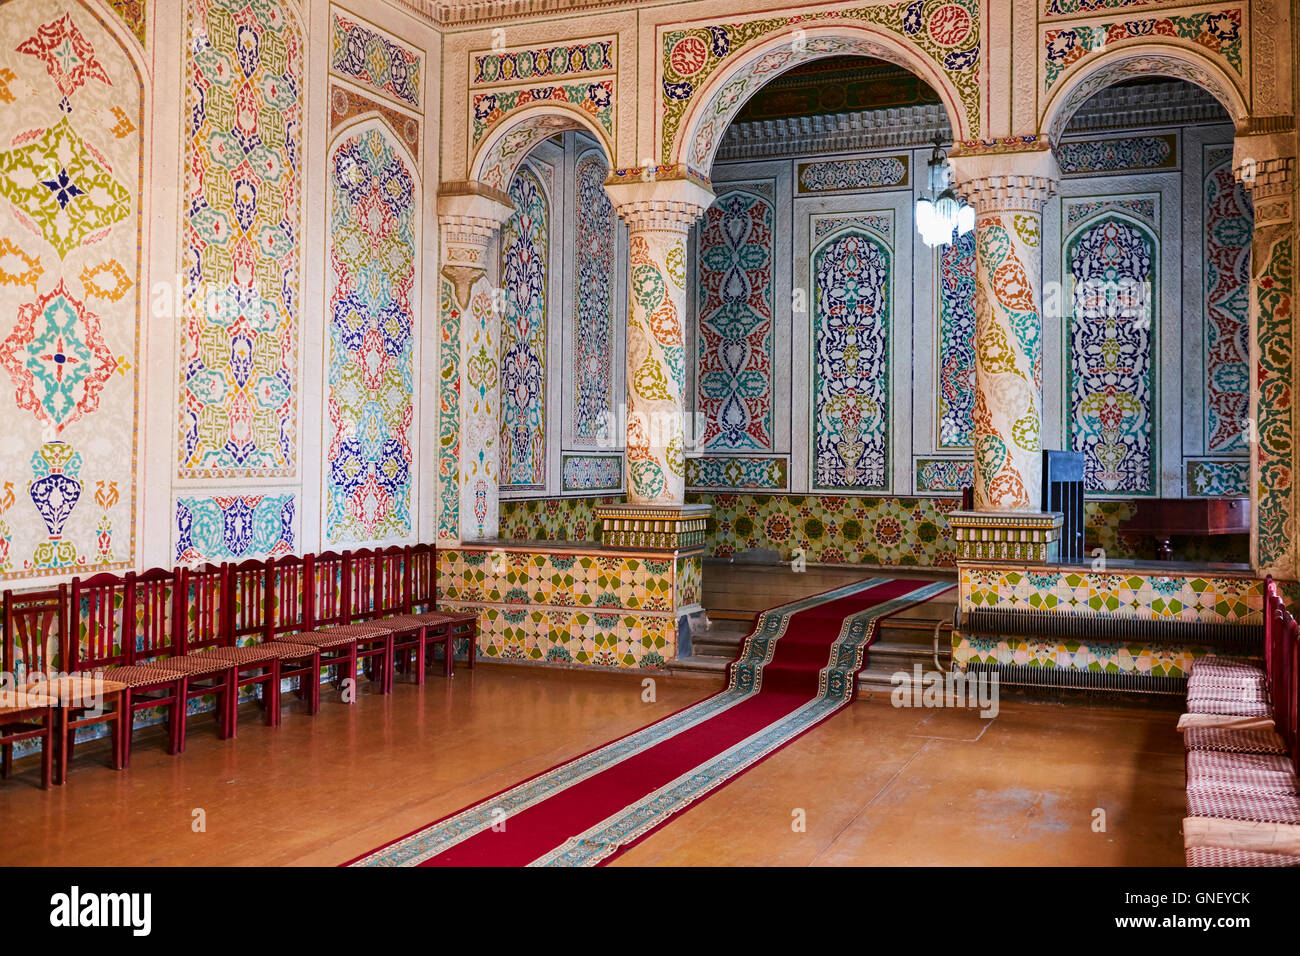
(47, 750)
(388, 664)
(181, 690)
(352, 671)
(448, 654)
(473, 644)
(224, 697)
(421, 652)
(128, 728)
(273, 696)
(313, 690)
(61, 747)
(7, 761)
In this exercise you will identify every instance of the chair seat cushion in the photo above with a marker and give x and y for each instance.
(85, 689)
(1241, 687)
(1222, 856)
(339, 636)
(32, 705)
(1225, 667)
(1234, 741)
(410, 622)
(1229, 708)
(250, 653)
(200, 664)
(1244, 805)
(1259, 773)
(137, 676)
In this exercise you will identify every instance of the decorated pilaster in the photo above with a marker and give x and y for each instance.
(1265, 164)
(659, 213)
(470, 216)
(1008, 182)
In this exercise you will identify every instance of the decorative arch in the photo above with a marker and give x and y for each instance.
(373, 254)
(1173, 58)
(714, 98)
(498, 157)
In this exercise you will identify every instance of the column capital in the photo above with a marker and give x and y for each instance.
(1017, 173)
(469, 215)
(646, 202)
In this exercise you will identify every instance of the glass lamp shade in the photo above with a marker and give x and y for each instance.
(965, 220)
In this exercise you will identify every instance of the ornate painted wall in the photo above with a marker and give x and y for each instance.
(526, 288)
(595, 275)
(72, 159)
(374, 212)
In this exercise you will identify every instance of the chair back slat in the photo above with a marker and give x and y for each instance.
(423, 588)
(364, 578)
(329, 580)
(200, 614)
(393, 582)
(247, 599)
(98, 635)
(35, 623)
(151, 603)
(290, 596)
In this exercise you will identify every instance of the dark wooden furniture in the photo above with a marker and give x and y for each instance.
(199, 620)
(28, 621)
(1166, 518)
(423, 588)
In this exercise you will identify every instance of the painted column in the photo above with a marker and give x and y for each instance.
(1271, 427)
(470, 216)
(1008, 183)
(659, 215)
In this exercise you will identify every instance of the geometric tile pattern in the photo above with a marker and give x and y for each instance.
(736, 473)
(566, 607)
(370, 390)
(591, 473)
(241, 240)
(1170, 596)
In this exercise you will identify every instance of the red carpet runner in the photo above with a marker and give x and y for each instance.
(797, 668)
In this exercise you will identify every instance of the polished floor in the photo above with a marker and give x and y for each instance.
(1042, 783)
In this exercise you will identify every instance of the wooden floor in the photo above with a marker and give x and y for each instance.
(878, 785)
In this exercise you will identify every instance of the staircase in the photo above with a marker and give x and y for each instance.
(735, 593)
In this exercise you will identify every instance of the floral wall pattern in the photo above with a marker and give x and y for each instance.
(736, 292)
(593, 321)
(852, 302)
(525, 279)
(1229, 223)
(234, 527)
(372, 59)
(71, 231)
(1111, 382)
(956, 346)
(370, 406)
(240, 246)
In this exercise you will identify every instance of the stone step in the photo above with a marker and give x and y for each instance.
(697, 666)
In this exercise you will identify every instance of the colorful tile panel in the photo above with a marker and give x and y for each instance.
(519, 66)
(234, 527)
(525, 280)
(738, 473)
(591, 473)
(240, 241)
(1118, 155)
(370, 389)
(1229, 227)
(871, 172)
(365, 55)
(736, 289)
(593, 321)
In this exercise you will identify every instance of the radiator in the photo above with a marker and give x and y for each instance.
(1025, 675)
(1247, 639)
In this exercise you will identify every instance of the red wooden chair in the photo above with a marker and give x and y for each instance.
(119, 625)
(29, 620)
(412, 632)
(330, 598)
(256, 592)
(199, 623)
(423, 571)
(290, 615)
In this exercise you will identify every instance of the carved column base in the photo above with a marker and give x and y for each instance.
(1023, 536)
(653, 527)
